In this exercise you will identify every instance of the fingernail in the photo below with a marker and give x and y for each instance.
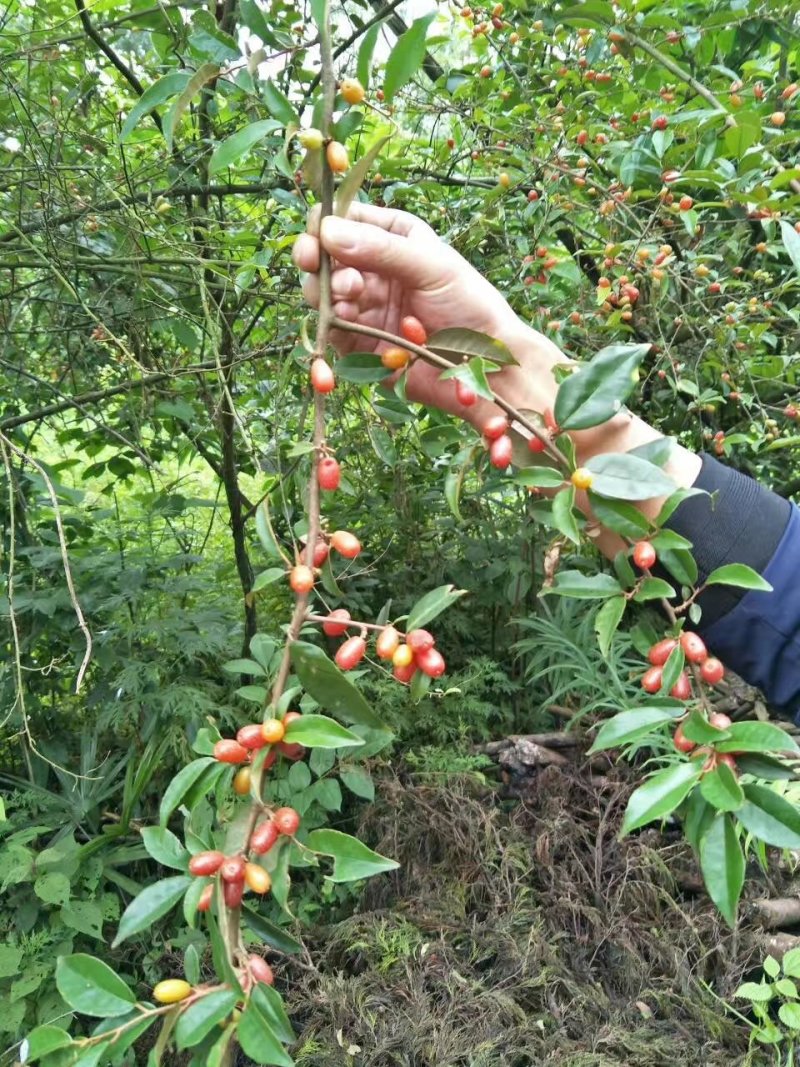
(337, 234)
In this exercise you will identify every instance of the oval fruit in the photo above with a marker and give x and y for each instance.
(582, 478)
(301, 579)
(260, 970)
(250, 736)
(345, 543)
(272, 731)
(286, 820)
(387, 643)
(171, 990)
(336, 154)
(694, 647)
(232, 869)
(712, 671)
(644, 555)
(352, 90)
(257, 879)
(405, 674)
(232, 893)
(241, 782)
(332, 627)
(351, 653)
(206, 863)
(495, 427)
(264, 837)
(720, 720)
(204, 903)
(402, 656)
(430, 662)
(322, 376)
(413, 330)
(501, 452)
(420, 640)
(395, 358)
(682, 743)
(328, 474)
(464, 395)
(682, 689)
(229, 751)
(651, 680)
(662, 650)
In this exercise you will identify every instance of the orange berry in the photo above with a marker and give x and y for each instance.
(387, 643)
(345, 543)
(257, 879)
(395, 358)
(336, 154)
(272, 731)
(301, 579)
(241, 782)
(413, 330)
(352, 90)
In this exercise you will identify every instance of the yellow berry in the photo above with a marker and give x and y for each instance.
(171, 991)
(582, 478)
(352, 90)
(241, 783)
(311, 139)
(402, 656)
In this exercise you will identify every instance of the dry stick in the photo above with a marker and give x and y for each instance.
(438, 361)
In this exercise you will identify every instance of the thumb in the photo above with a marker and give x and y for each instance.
(416, 261)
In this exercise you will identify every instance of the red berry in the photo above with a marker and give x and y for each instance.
(693, 647)
(287, 821)
(204, 903)
(685, 203)
(251, 736)
(533, 195)
(644, 555)
(536, 444)
(712, 671)
(351, 653)
(651, 680)
(500, 452)
(328, 473)
(420, 640)
(430, 662)
(292, 750)
(345, 543)
(413, 330)
(260, 970)
(336, 628)
(661, 651)
(322, 376)
(321, 550)
(495, 427)
(232, 893)
(660, 123)
(464, 395)
(582, 137)
(264, 837)
(229, 751)
(206, 863)
(301, 579)
(232, 869)
(683, 744)
(720, 720)
(406, 673)
(387, 643)
(682, 689)
(290, 717)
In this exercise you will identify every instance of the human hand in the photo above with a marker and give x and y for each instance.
(388, 264)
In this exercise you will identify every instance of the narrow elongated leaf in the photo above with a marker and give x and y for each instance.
(607, 620)
(259, 1041)
(271, 934)
(90, 986)
(738, 574)
(563, 515)
(153, 902)
(352, 860)
(583, 586)
(318, 731)
(432, 604)
(769, 817)
(539, 477)
(156, 94)
(201, 77)
(630, 725)
(597, 391)
(625, 477)
(455, 343)
(354, 179)
(722, 864)
(660, 795)
(180, 786)
(320, 677)
(406, 57)
(721, 789)
(365, 50)
(279, 105)
(232, 149)
(200, 1018)
(270, 1003)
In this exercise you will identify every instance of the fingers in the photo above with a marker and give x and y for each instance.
(306, 253)
(347, 285)
(419, 263)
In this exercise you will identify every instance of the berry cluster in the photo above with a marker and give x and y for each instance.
(695, 652)
(407, 654)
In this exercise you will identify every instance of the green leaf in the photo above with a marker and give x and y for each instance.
(583, 586)
(596, 392)
(266, 578)
(352, 860)
(680, 563)
(455, 343)
(539, 477)
(279, 105)
(653, 589)
(200, 1018)
(738, 574)
(264, 530)
(432, 604)
(791, 963)
(383, 446)
(85, 916)
(758, 992)
(791, 242)
(201, 77)
(657, 452)
(156, 94)
(607, 620)
(244, 666)
(90, 986)
(361, 368)
(180, 786)
(563, 514)
(760, 765)
(660, 795)
(153, 902)
(789, 1015)
(258, 1039)
(630, 725)
(256, 694)
(269, 933)
(406, 57)
(270, 1003)
(620, 517)
(769, 817)
(323, 680)
(253, 18)
(365, 50)
(721, 789)
(41, 1041)
(165, 848)
(697, 728)
(318, 731)
(722, 864)
(328, 793)
(262, 649)
(757, 737)
(742, 133)
(232, 149)
(474, 373)
(354, 178)
(359, 781)
(626, 477)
